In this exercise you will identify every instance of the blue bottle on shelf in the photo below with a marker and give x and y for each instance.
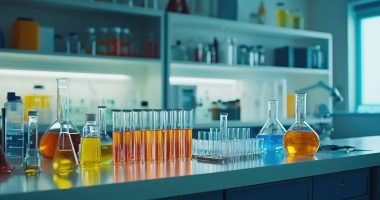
(272, 132)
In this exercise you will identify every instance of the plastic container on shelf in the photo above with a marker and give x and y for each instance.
(152, 47)
(49, 139)
(126, 42)
(25, 33)
(90, 45)
(281, 15)
(115, 42)
(103, 41)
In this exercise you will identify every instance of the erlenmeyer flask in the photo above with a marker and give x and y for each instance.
(105, 140)
(65, 159)
(4, 167)
(272, 132)
(48, 141)
(301, 139)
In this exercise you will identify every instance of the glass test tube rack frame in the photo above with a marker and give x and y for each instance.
(234, 144)
(143, 135)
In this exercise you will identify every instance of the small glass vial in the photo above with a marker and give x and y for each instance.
(105, 140)
(125, 42)
(32, 159)
(281, 15)
(91, 41)
(272, 132)
(301, 139)
(103, 41)
(90, 154)
(115, 45)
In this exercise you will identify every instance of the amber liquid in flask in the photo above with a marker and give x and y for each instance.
(65, 159)
(48, 141)
(301, 139)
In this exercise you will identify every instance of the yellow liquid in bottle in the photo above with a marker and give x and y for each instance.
(281, 16)
(64, 161)
(106, 153)
(301, 142)
(90, 152)
(32, 170)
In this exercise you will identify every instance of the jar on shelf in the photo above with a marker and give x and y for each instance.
(126, 42)
(103, 41)
(115, 42)
(90, 45)
(281, 15)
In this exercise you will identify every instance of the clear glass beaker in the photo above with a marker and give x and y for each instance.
(32, 159)
(49, 139)
(105, 140)
(90, 153)
(168, 135)
(127, 136)
(65, 159)
(117, 136)
(301, 139)
(188, 132)
(272, 132)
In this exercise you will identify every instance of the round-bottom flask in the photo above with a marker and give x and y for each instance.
(301, 139)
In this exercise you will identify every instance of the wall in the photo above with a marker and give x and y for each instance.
(331, 16)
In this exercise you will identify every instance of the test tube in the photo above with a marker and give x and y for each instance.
(216, 142)
(147, 134)
(138, 151)
(178, 136)
(167, 117)
(127, 136)
(188, 132)
(117, 136)
(158, 135)
(32, 159)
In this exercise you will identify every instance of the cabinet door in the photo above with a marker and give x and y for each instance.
(299, 189)
(217, 195)
(341, 185)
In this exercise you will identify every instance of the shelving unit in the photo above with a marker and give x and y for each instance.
(244, 82)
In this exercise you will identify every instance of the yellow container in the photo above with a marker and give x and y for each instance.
(25, 34)
(290, 109)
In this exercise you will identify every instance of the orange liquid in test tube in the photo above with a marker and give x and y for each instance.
(148, 144)
(159, 145)
(128, 146)
(168, 135)
(178, 143)
(138, 147)
(188, 143)
(117, 138)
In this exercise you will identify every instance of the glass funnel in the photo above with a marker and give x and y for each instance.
(105, 140)
(65, 159)
(272, 132)
(49, 139)
(301, 139)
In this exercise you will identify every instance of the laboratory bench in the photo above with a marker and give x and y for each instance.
(327, 175)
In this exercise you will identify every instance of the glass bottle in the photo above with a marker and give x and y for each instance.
(4, 167)
(32, 159)
(281, 15)
(115, 41)
(272, 132)
(301, 139)
(105, 140)
(49, 140)
(90, 154)
(91, 41)
(65, 159)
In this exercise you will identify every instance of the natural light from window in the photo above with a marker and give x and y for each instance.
(370, 61)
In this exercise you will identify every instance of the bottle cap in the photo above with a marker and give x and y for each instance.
(39, 87)
(91, 117)
(18, 98)
(116, 110)
(11, 96)
(102, 106)
(126, 30)
(126, 110)
(32, 113)
(103, 29)
(280, 4)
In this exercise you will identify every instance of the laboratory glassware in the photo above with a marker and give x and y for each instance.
(32, 159)
(168, 134)
(281, 15)
(127, 136)
(147, 134)
(65, 159)
(117, 135)
(14, 130)
(301, 139)
(272, 132)
(105, 140)
(188, 132)
(158, 135)
(49, 139)
(4, 166)
(90, 154)
(138, 151)
(178, 133)
(91, 41)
